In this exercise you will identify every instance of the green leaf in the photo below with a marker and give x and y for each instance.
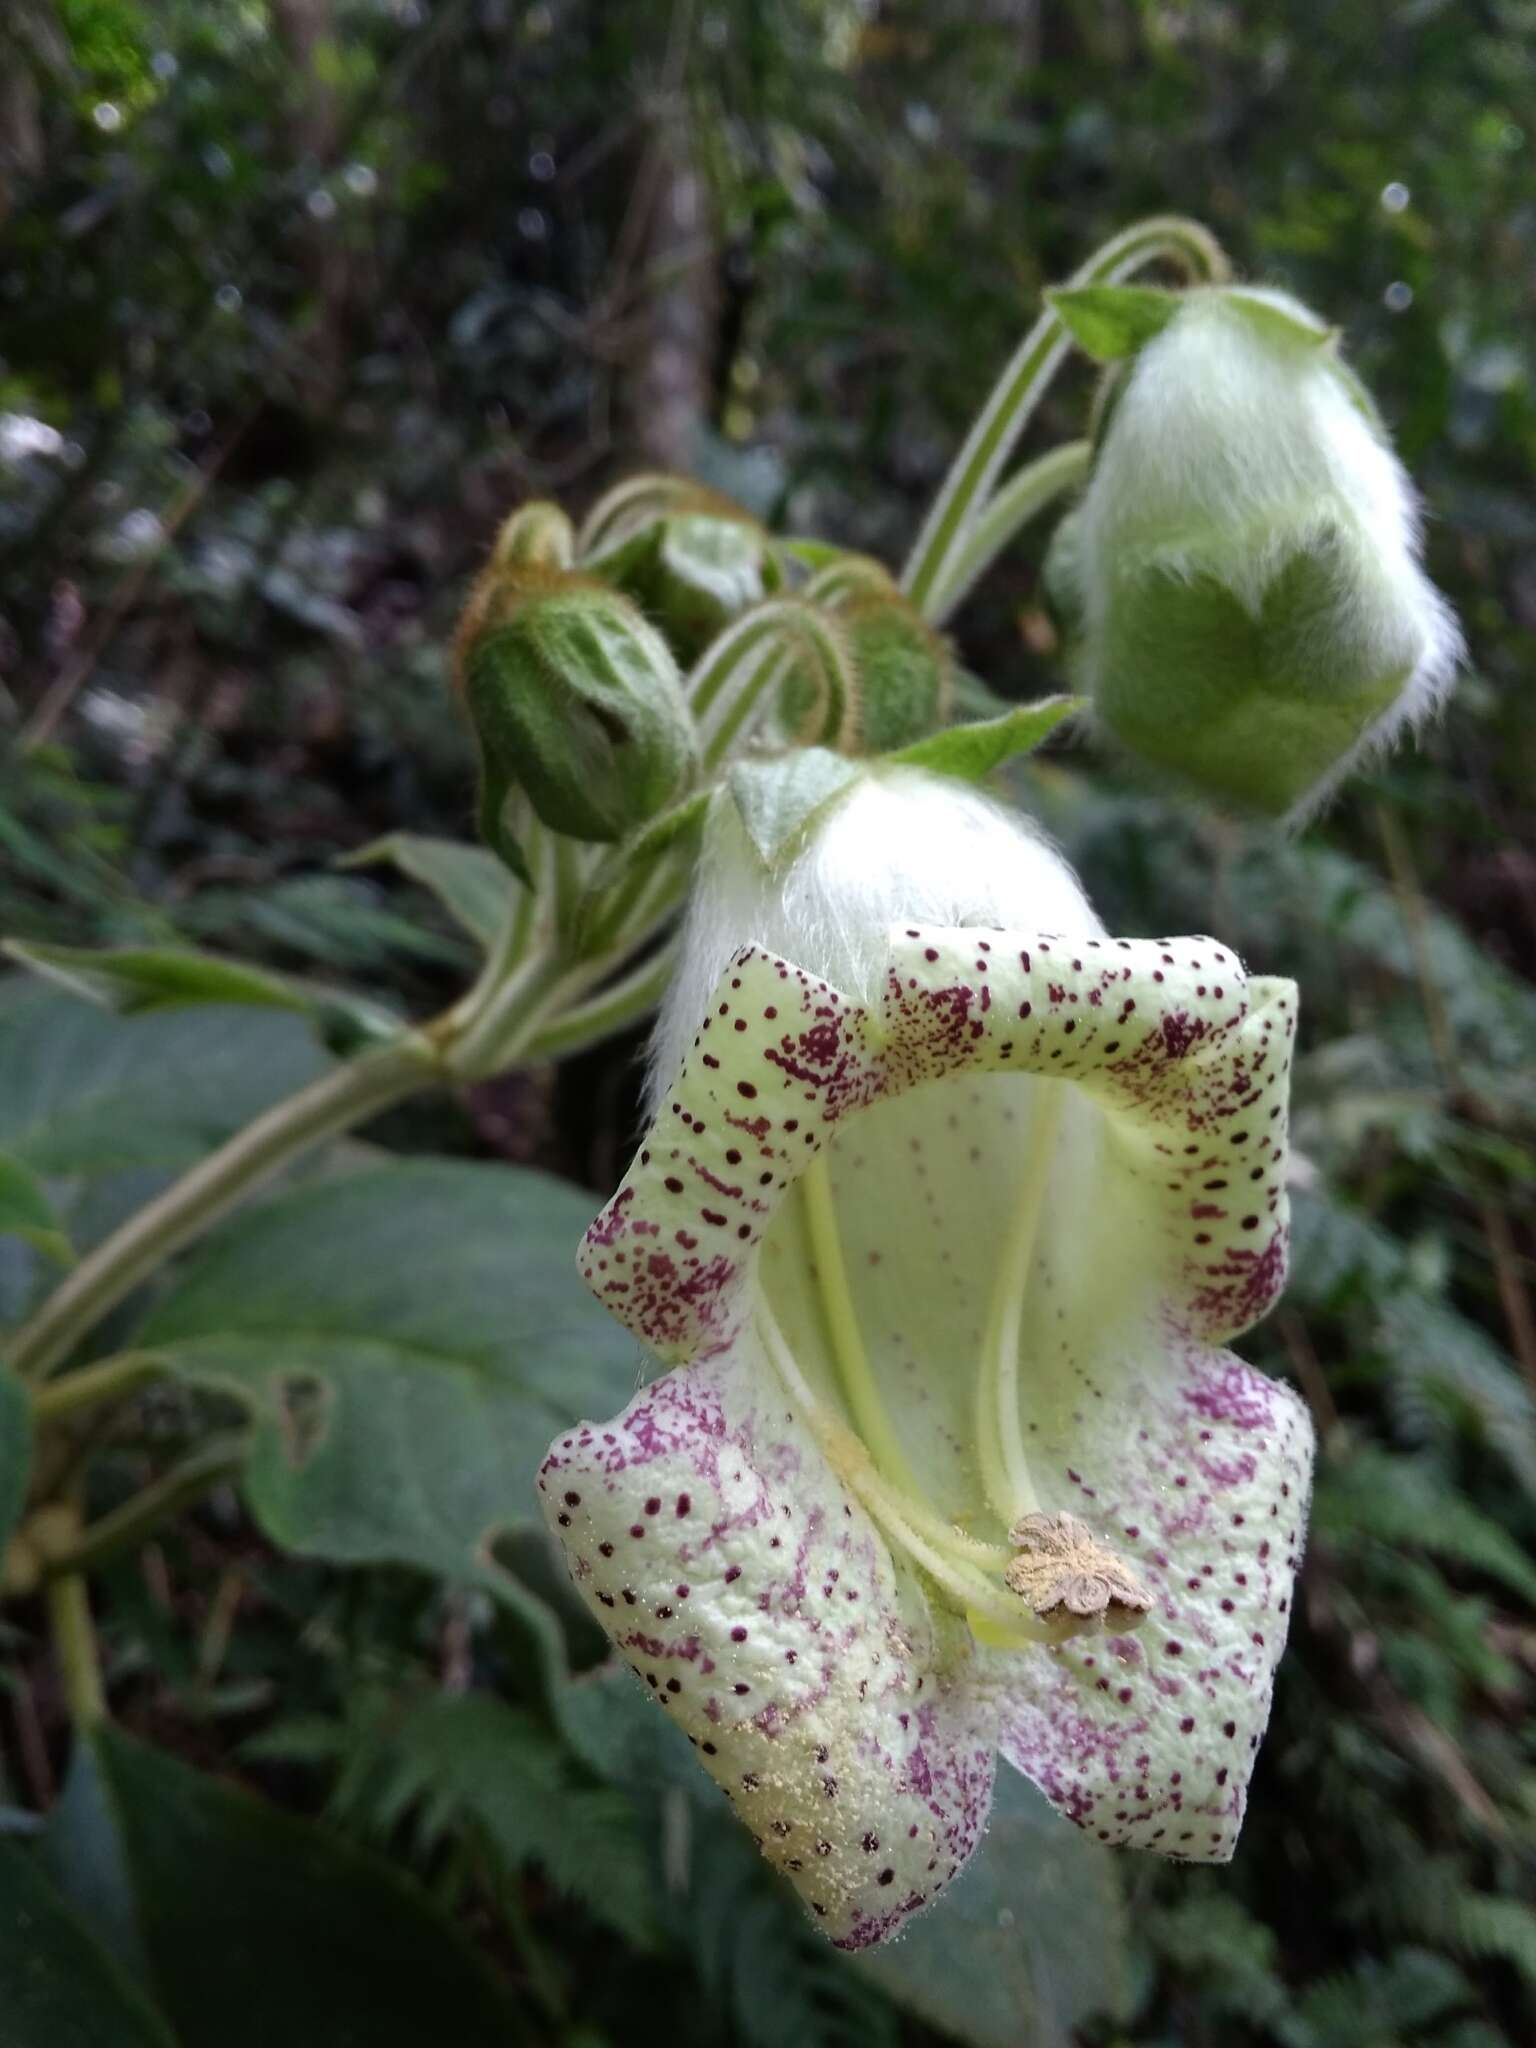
(60, 1988)
(470, 883)
(15, 1456)
(340, 922)
(407, 1341)
(1027, 1943)
(133, 980)
(82, 1093)
(1109, 321)
(971, 752)
(25, 1211)
(778, 799)
(258, 1928)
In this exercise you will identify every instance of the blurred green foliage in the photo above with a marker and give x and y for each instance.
(298, 297)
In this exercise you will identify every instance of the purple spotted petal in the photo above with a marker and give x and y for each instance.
(1162, 1234)
(1148, 1740)
(1189, 1065)
(756, 1602)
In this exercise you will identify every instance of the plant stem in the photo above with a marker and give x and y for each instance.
(74, 1645)
(736, 677)
(1018, 391)
(127, 1526)
(610, 1010)
(93, 1383)
(1027, 492)
(337, 1101)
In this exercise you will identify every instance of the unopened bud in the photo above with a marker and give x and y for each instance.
(536, 536)
(905, 672)
(1244, 566)
(577, 705)
(902, 668)
(694, 559)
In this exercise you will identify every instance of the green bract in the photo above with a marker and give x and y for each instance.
(578, 707)
(1244, 566)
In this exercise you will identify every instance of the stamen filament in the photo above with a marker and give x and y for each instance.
(953, 1560)
(850, 1359)
(1005, 1470)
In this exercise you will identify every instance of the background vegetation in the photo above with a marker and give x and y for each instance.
(297, 297)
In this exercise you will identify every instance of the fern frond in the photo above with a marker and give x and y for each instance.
(472, 1762)
(1376, 1495)
(1447, 1369)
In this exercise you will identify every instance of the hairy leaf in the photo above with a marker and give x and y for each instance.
(407, 1340)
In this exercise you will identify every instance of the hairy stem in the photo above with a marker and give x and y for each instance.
(995, 434)
(338, 1100)
(612, 1009)
(1028, 492)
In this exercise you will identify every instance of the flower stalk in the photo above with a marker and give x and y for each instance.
(968, 488)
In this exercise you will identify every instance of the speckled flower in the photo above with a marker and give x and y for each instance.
(943, 1225)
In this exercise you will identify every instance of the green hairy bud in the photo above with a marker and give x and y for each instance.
(906, 675)
(577, 706)
(536, 536)
(1243, 572)
(694, 559)
(903, 669)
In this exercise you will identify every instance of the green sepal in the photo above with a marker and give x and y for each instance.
(1109, 321)
(1280, 319)
(814, 555)
(1234, 699)
(693, 562)
(778, 799)
(971, 752)
(578, 706)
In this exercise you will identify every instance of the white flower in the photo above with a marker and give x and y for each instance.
(943, 1224)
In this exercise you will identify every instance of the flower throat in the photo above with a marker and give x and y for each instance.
(1056, 1579)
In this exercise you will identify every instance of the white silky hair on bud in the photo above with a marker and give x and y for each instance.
(900, 846)
(1224, 428)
